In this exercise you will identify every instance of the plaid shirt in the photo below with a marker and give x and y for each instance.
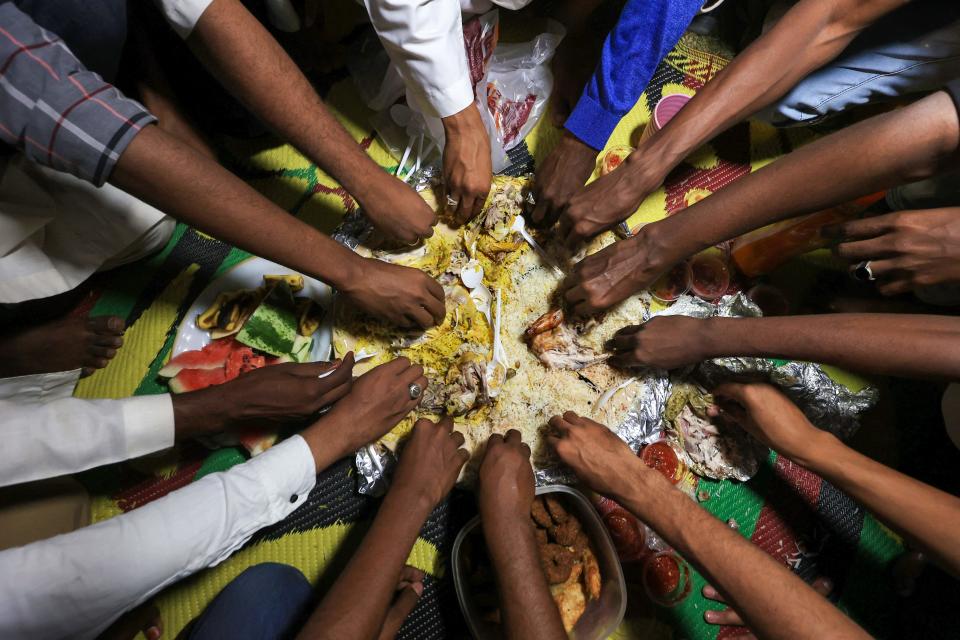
(53, 109)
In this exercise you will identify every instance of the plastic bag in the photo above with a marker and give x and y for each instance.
(514, 92)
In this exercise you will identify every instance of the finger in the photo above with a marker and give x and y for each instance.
(478, 204)
(411, 574)
(422, 383)
(539, 213)
(626, 360)
(894, 286)
(622, 342)
(513, 437)
(886, 268)
(553, 442)
(403, 605)
(494, 440)
(436, 306)
(464, 207)
(335, 394)
(457, 438)
(572, 417)
(879, 247)
(712, 594)
(410, 375)
(421, 317)
(103, 352)
(435, 289)
(559, 426)
(727, 617)
(446, 424)
(731, 391)
(864, 228)
(630, 330)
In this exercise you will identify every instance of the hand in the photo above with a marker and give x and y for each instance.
(730, 617)
(431, 461)
(506, 485)
(402, 296)
(907, 250)
(275, 394)
(600, 459)
(467, 169)
(770, 417)
(396, 210)
(378, 400)
(615, 273)
(563, 173)
(667, 342)
(607, 201)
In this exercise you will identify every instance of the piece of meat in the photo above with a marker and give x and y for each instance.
(557, 562)
(541, 535)
(556, 510)
(555, 343)
(566, 533)
(591, 574)
(570, 602)
(539, 514)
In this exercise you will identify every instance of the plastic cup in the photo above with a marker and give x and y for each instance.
(672, 284)
(660, 455)
(666, 578)
(613, 158)
(709, 276)
(666, 109)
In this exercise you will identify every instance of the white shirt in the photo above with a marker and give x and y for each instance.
(45, 432)
(75, 585)
(183, 15)
(424, 39)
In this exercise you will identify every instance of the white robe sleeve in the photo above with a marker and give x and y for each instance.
(76, 584)
(424, 39)
(45, 432)
(183, 15)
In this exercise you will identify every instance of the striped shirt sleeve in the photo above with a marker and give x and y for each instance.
(54, 110)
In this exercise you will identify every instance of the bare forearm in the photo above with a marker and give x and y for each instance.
(774, 602)
(528, 608)
(886, 344)
(163, 171)
(907, 144)
(927, 516)
(356, 605)
(254, 68)
(812, 33)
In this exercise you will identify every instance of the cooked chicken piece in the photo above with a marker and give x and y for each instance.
(556, 510)
(541, 535)
(566, 533)
(538, 511)
(591, 574)
(556, 345)
(468, 387)
(558, 562)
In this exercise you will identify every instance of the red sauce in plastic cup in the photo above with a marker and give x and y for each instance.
(661, 456)
(613, 158)
(672, 284)
(628, 535)
(666, 578)
(709, 276)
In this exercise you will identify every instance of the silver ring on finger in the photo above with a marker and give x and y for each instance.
(415, 391)
(864, 272)
(452, 202)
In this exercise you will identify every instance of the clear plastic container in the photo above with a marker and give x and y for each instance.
(601, 616)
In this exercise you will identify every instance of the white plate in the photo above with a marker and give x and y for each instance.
(249, 275)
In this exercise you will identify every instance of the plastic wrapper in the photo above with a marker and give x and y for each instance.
(514, 92)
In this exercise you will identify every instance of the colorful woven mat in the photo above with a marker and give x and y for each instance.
(790, 513)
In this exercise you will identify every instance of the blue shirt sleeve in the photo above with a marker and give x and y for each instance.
(645, 32)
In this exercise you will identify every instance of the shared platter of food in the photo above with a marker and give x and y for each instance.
(505, 356)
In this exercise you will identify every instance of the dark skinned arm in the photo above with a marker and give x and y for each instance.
(254, 68)
(773, 601)
(356, 605)
(915, 346)
(809, 35)
(165, 172)
(924, 515)
(908, 144)
(506, 492)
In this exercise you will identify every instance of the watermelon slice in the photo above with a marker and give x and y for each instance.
(256, 441)
(195, 379)
(242, 360)
(212, 356)
(273, 326)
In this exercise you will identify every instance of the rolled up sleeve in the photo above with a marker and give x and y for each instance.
(424, 38)
(183, 15)
(56, 111)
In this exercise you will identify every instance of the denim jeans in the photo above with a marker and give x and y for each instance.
(915, 48)
(268, 601)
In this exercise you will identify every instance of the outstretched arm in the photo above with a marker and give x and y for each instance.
(916, 346)
(774, 602)
(506, 492)
(252, 66)
(908, 144)
(809, 35)
(356, 605)
(924, 515)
